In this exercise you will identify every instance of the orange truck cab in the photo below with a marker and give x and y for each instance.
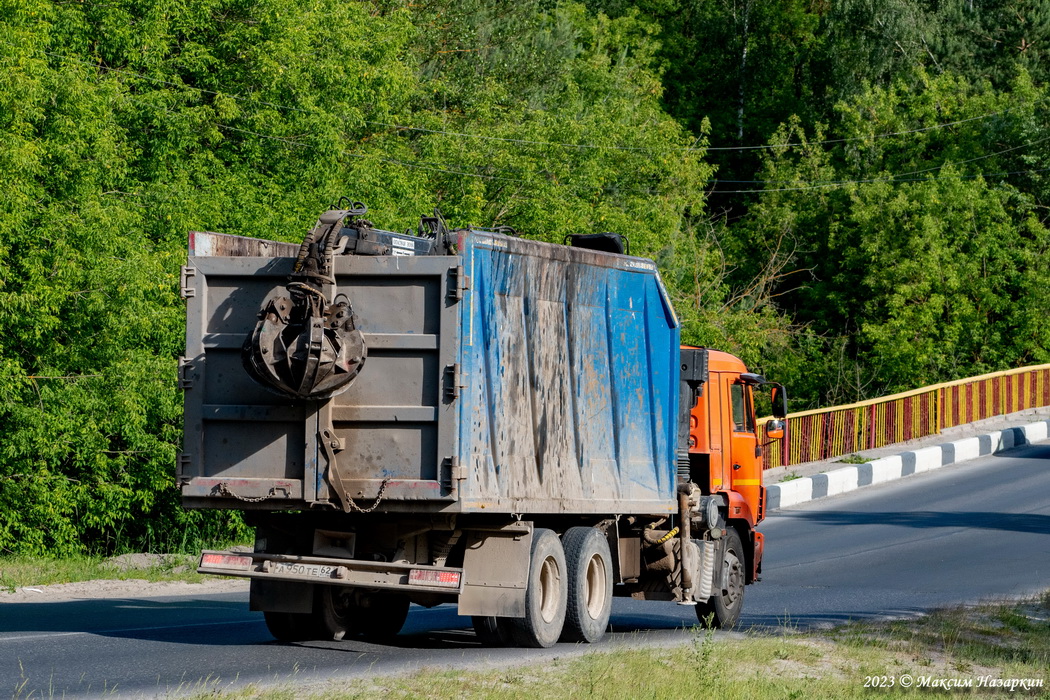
(724, 451)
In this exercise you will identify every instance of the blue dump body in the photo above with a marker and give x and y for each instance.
(512, 377)
(570, 367)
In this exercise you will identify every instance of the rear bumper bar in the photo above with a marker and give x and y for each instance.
(333, 571)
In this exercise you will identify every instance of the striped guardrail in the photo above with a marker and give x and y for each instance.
(824, 433)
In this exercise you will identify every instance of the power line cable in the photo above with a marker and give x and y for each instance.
(400, 127)
(858, 138)
(446, 168)
(277, 106)
(843, 183)
(531, 142)
(559, 144)
(892, 177)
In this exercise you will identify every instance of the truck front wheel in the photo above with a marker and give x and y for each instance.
(546, 594)
(590, 584)
(723, 608)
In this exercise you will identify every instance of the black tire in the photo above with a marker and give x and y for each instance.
(589, 604)
(291, 627)
(725, 604)
(381, 615)
(493, 631)
(342, 612)
(334, 612)
(546, 595)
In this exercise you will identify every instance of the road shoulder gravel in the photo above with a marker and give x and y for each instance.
(125, 588)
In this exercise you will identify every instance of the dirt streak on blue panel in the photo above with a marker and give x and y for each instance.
(614, 391)
(491, 364)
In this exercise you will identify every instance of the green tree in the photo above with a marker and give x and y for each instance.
(991, 39)
(126, 124)
(123, 126)
(918, 256)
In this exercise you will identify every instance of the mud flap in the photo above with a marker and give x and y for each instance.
(496, 567)
(281, 596)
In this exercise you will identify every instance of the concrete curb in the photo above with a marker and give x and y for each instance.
(855, 476)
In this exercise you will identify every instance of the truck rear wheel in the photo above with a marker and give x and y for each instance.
(725, 604)
(342, 612)
(292, 627)
(546, 595)
(589, 564)
(381, 615)
(493, 631)
(333, 610)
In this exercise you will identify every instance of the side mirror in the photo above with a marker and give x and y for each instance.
(779, 400)
(775, 429)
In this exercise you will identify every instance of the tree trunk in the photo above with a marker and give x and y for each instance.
(743, 73)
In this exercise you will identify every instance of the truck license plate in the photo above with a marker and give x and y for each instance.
(303, 569)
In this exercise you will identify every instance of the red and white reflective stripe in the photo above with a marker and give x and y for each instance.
(226, 561)
(431, 577)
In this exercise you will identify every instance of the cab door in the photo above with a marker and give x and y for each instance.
(745, 462)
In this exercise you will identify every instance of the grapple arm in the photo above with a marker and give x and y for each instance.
(304, 345)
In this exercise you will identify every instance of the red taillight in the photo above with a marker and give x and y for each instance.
(226, 561)
(431, 577)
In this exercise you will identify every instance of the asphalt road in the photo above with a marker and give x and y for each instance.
(976, 531)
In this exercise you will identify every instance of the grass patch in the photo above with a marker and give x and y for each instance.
(853, 459)
(997, 642)
(18, 571)
(790, 477)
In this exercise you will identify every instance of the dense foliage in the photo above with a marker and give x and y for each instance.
(882, 178)
(888, 230)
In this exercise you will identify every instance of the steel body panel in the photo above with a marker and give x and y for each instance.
(514, 377)
(570, 364)
(236, 431)
(243, 442)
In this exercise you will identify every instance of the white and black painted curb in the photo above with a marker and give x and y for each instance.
(855, 476)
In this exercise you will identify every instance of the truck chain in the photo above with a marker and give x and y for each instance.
(225, 490)
(369, 509)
